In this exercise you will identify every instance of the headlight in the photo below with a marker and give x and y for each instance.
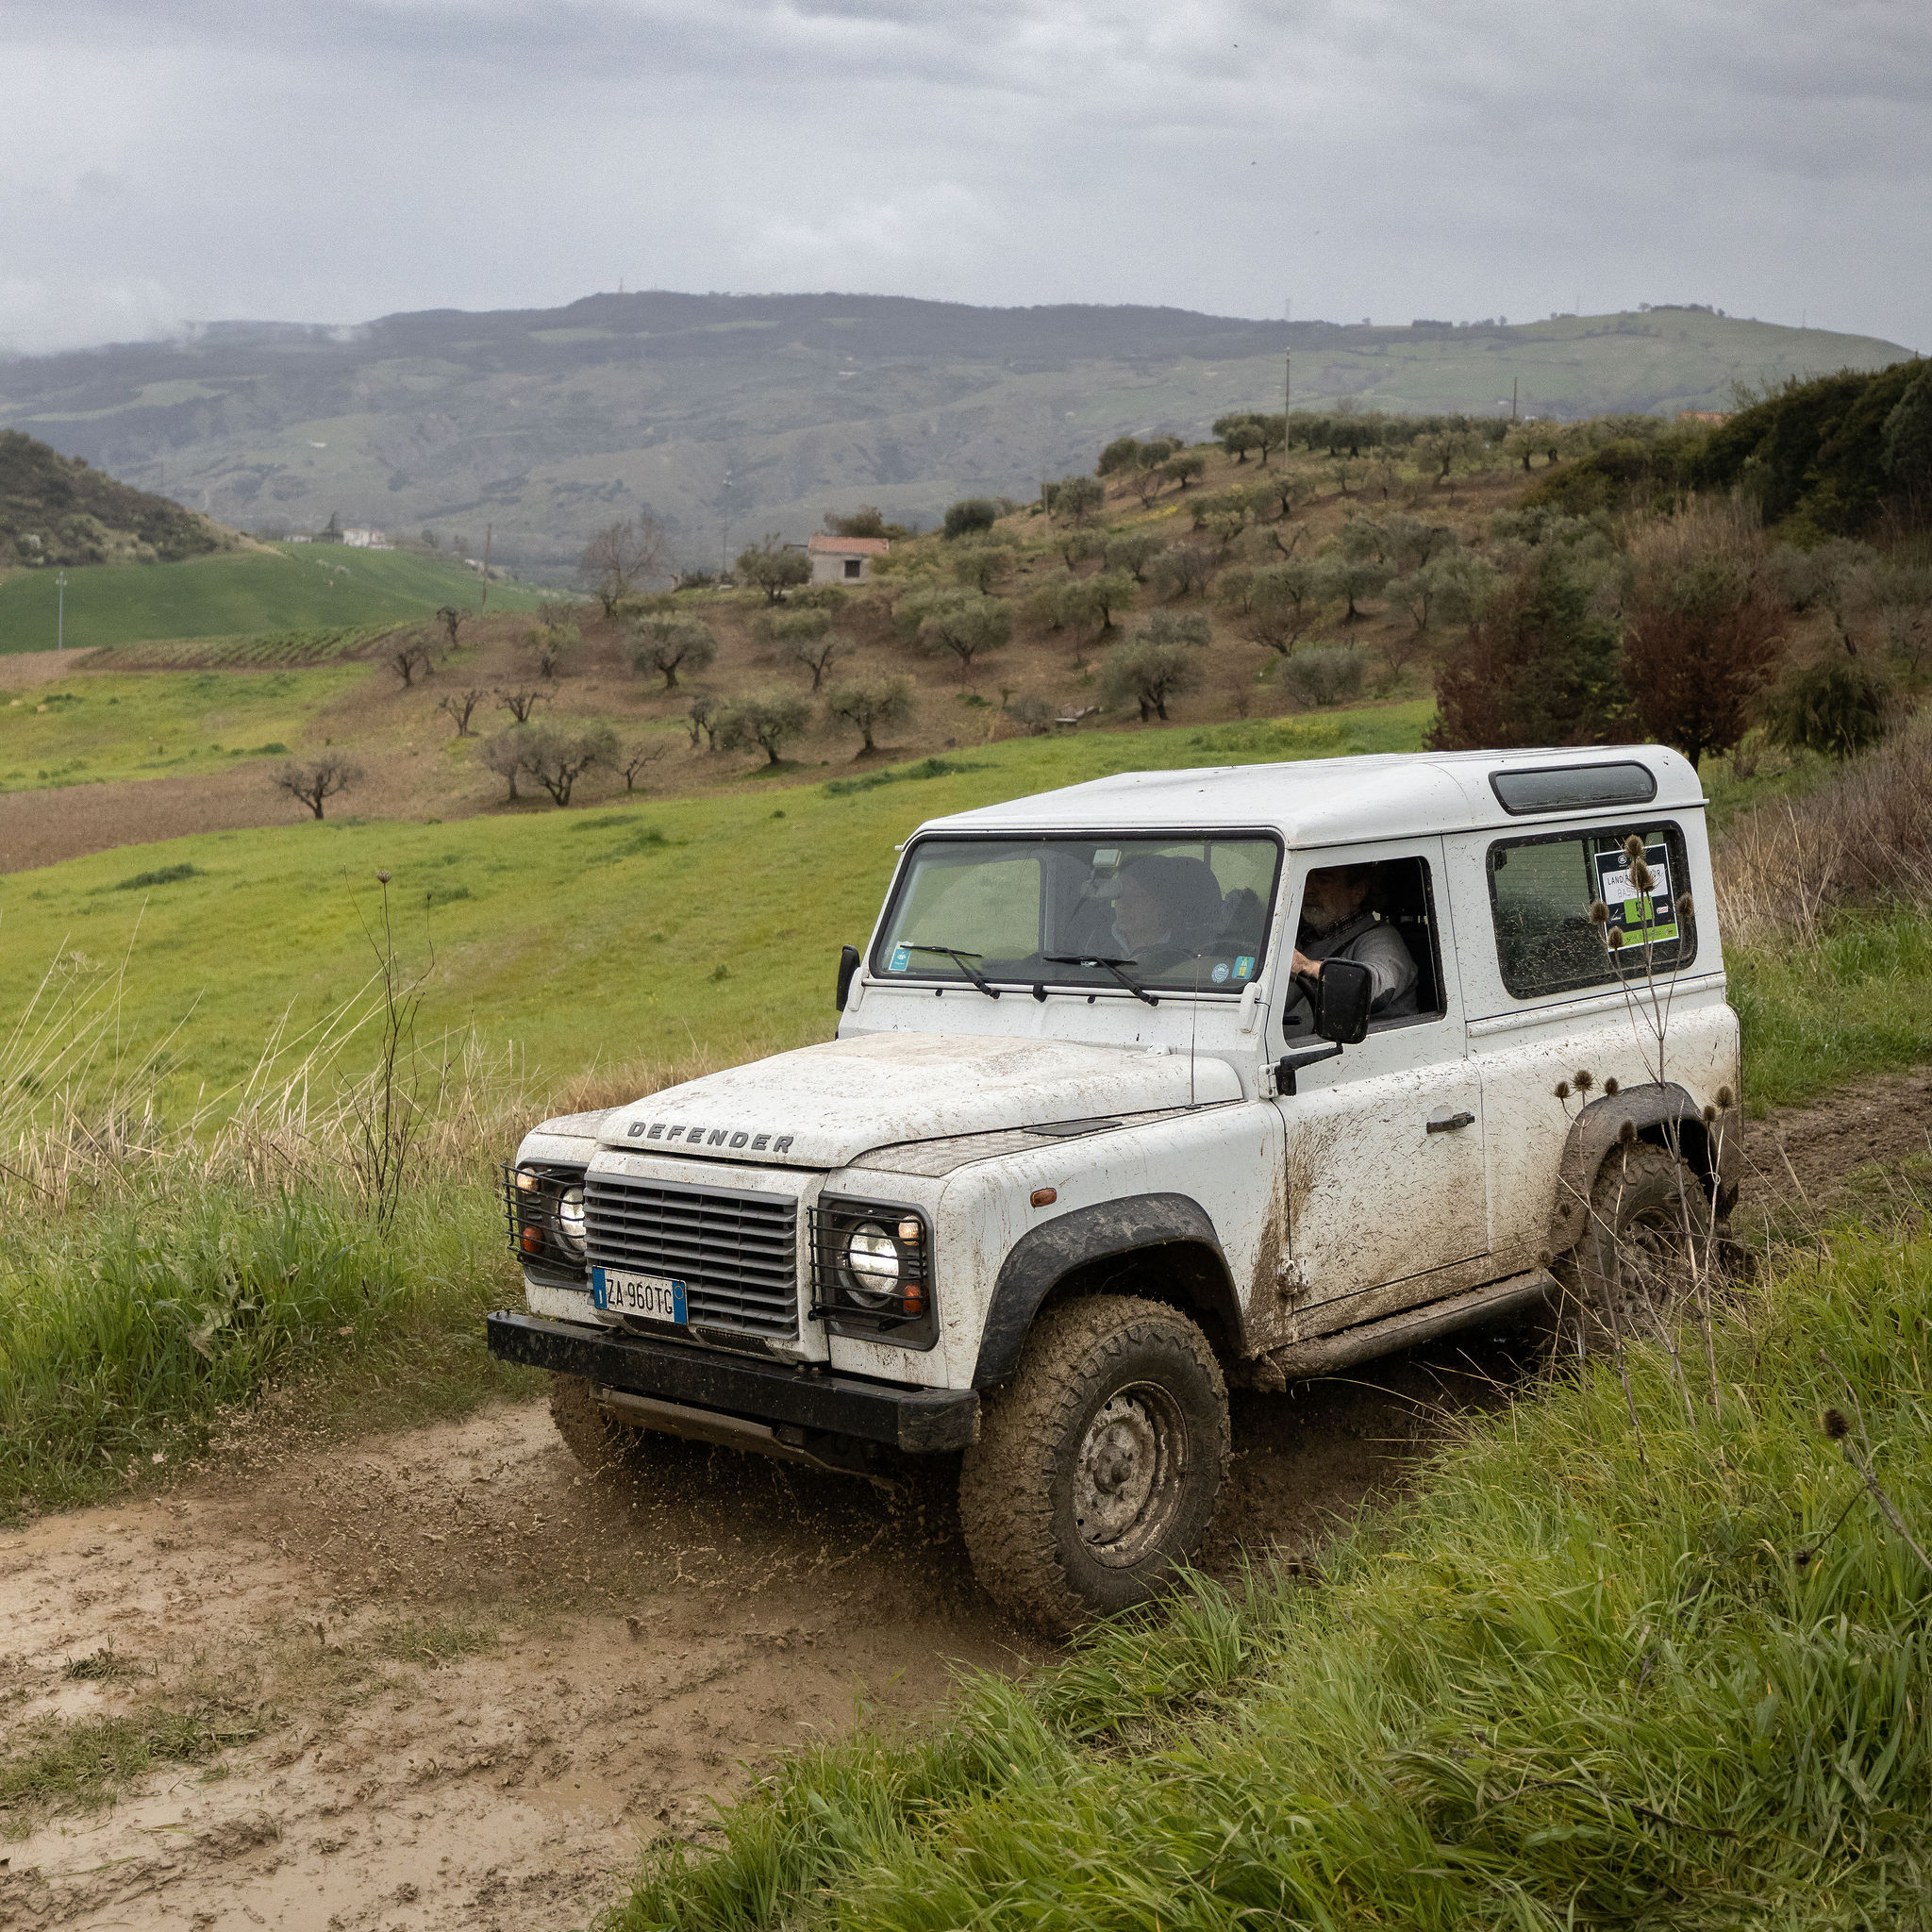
(871, 1256)
(569, 1218)
(871, 1271)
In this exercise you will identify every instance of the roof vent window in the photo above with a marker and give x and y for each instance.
(1573, 787)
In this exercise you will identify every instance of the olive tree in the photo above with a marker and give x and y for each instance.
(968, 628)
(981, 566)
(1148, 672)
(765, 722)
(551, 644)
(870, 705)
(557, 757)
(773, 568)
(806, 638)
(666, 645)
(315, 783)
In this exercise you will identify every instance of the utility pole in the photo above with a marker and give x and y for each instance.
(60, 612)
(489, 531)
(1512, 399)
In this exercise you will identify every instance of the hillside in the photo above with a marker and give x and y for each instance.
(57, 509)
(731, 415)
(292, 587)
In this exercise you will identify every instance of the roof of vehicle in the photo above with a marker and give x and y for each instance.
(1332, 801)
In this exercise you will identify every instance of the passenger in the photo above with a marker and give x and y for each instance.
(1167, 909)
(1336, 923)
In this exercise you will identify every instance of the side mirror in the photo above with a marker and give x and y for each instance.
(848, 965)
(1343, 991)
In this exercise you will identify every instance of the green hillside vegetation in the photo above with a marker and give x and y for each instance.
(1646, 1660)
(55, 510)
(553, 423)
(644, 932)
(262, 588)
(85, 729)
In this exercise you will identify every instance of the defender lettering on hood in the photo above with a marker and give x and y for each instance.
(708, 1136)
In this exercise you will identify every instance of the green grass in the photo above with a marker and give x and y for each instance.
(156, 725)
(127, 1331)
(58, 1764)
(285, 586)
(1858, 1003)
(577, 936)
(1591, 1676)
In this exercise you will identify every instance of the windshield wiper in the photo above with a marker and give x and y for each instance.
(1113, 966)
(959, 957)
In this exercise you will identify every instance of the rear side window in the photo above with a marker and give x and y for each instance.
(1540, 892)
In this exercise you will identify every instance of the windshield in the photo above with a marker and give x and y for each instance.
(1171, 914)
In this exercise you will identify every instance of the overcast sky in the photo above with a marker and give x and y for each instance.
(165, 161)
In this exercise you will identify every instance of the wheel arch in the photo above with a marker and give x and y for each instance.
(1662, 1113)
(1162, 1247)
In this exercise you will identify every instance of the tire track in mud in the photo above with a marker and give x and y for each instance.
(481, 1679)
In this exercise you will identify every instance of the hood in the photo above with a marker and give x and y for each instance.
(825, 1105)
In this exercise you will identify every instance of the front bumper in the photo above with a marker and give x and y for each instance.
(921, 1420)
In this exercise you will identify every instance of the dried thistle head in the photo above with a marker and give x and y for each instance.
(1710, 1116)
(382, 878)
(1835, 1425)
(1684, 908)
(1612, 1087)
(1544, 1259)
(1614, 937)
(1626, 1134)
(1562, 1089)
(1599, 913)
(1633, 848)
(1642, 876)
(1726, 1098)
(1583, 1079)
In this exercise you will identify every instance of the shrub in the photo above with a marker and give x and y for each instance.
(1324, 674)
(970, 514)
(1838, 705)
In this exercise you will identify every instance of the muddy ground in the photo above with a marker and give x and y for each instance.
(462, 1683)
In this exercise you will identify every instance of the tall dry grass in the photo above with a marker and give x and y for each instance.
(1862, 839)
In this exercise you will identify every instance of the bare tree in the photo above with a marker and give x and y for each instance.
(556, 758)
(631, 764)
(461, 706)
(409, 655)
(315, 783)
(451, 618)
(617, 560)
(520, 700)
(701, 720)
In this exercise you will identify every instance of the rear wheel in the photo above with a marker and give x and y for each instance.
(1098, 1465)
(1650, 1225)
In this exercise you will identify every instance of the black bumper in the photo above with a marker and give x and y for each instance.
(919, 1420)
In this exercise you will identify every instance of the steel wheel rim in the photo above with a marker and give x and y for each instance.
(1128, 1474)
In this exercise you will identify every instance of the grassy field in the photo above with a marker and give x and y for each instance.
(1647, 1661)
(157, 724)
(642, 931)
(284, 587)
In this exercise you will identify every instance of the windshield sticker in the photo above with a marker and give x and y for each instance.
(1107, 857)
(1219, 974)
(902, 957)
(1626, 903)
(1244, 966)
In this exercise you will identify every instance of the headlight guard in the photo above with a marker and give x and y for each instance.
(544, 1204)
(871, 1271)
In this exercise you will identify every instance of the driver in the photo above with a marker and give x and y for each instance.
(1167, 909)
(1336, 923)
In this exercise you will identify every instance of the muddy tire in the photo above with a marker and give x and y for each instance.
(1649, 1227)
(588, 1433)
(1098, 1464)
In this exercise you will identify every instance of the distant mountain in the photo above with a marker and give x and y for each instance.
(730, 415)
(59, 510)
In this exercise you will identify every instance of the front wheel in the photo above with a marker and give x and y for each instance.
(1098, 1465)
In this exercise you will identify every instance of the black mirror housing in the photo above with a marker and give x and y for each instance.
(848, 965)
(1343, 991)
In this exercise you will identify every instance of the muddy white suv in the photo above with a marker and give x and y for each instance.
(1144, 1086)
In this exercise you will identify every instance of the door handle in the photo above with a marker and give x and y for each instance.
(1449, 1122)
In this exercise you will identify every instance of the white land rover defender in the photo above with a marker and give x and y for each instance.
(1143, 1087)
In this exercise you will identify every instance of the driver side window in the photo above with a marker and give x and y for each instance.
(1381, 914)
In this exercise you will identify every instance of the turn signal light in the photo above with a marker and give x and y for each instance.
(1045, 1197)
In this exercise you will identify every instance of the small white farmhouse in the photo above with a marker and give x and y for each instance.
(844, 560)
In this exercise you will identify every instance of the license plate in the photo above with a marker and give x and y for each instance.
(654, 1297)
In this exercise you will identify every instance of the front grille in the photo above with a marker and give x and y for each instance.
(735, 1253)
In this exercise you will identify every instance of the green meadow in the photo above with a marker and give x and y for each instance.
(579, 935)
(283, 587)
(156, 723)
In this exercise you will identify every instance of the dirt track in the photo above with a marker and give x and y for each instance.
(479, 1681)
